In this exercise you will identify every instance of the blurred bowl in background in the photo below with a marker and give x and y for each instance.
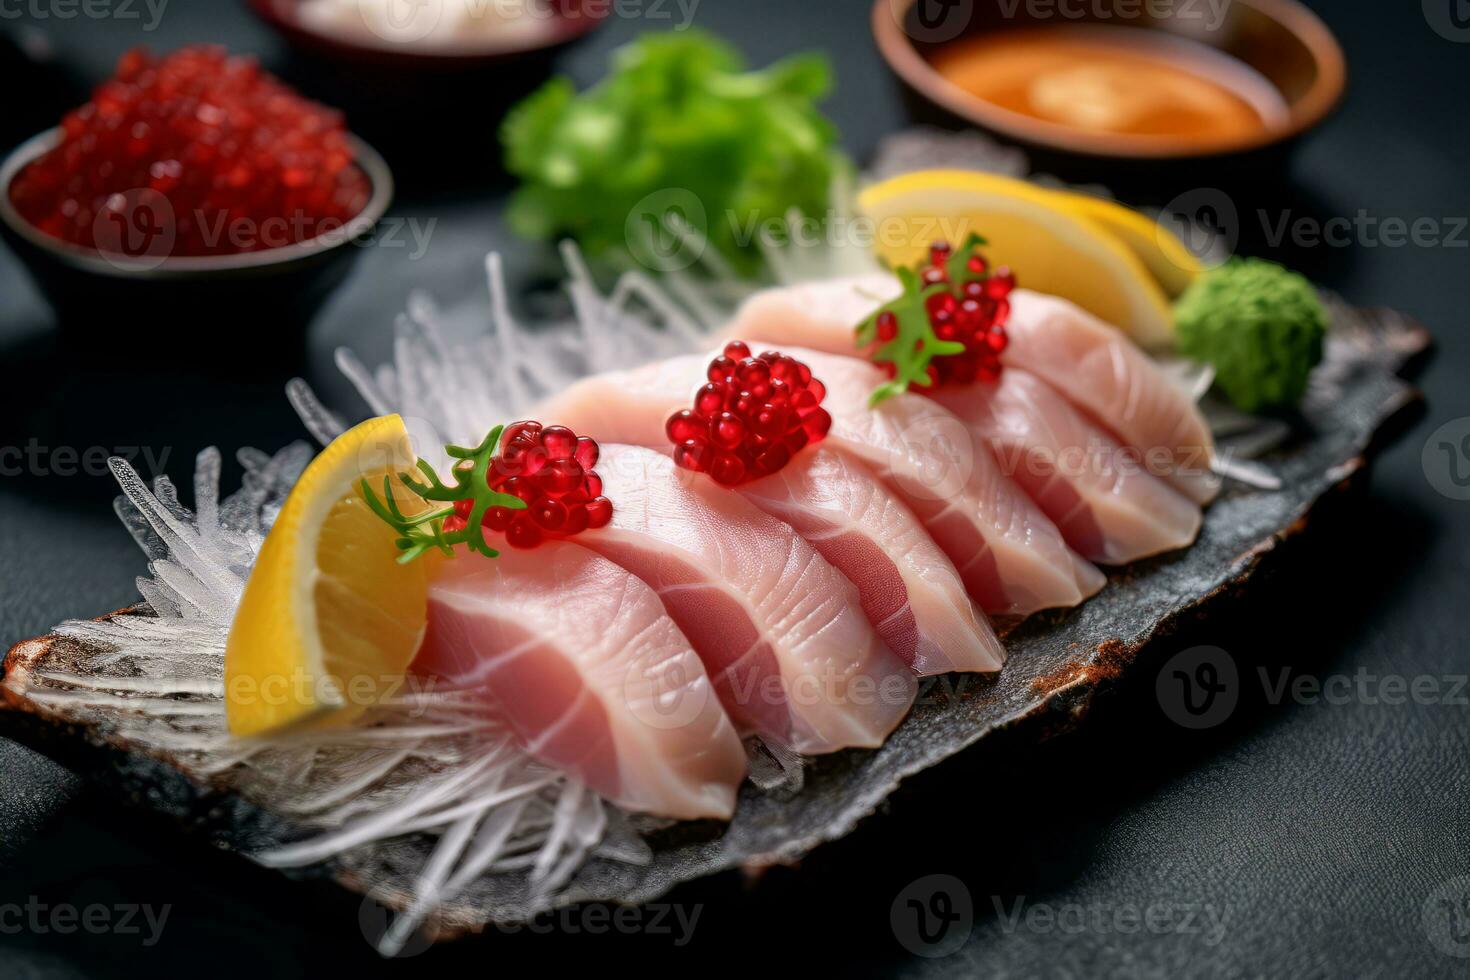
(28, 64)
(415, 98)
(272, 293)
(1277, 45)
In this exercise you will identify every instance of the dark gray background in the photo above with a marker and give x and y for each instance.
(1318, 831)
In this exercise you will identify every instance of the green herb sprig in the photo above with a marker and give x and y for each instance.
(421, 532)
(915, 345)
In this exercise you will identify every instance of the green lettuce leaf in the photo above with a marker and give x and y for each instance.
(678, 114)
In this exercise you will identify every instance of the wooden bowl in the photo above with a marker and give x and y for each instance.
(1280, 39)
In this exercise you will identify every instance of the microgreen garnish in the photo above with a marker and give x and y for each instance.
(914, 344)
(419, 533)
(946, 327)
(957, 266)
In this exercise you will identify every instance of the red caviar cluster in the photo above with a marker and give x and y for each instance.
(549, 468)
(973, 312)
(199, 150)
(751, 418)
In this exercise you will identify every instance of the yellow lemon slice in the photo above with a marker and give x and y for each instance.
(329, 620)
(1051, 247)
(1167, 258)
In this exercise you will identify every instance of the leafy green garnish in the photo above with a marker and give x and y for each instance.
(678, 116)
(915, 344)
(421, 532)
(958, 266)
(1261, 326)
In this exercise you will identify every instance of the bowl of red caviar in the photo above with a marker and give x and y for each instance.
(192, 188)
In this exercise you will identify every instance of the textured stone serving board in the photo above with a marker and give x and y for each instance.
(1058, 663)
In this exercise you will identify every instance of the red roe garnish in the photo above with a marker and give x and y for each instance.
(550, 468)
(752, 416)
(973, 312)
(947, 326)
(196, 153)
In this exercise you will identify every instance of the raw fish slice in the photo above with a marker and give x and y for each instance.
(819, 315)
(1011, 558)
(581, 660)
(1095, 366)
(1107, 507)
(910, 590)
(1106, 375)
(780, 631)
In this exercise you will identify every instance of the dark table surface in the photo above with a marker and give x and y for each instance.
(1307, 836)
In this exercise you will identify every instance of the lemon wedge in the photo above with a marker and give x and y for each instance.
(329, 620)
(1051, 245)
(1167, 258)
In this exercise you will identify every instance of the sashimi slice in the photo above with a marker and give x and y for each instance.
(1095, 366)
(780, 631)
(1011, 558)
(1097, 493)
(820, 315)
(909, 589)
(579, 657)
(1102, 371)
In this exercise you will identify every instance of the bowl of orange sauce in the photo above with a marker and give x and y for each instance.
(1118, 81)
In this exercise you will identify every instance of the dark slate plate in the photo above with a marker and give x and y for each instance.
(1059, 662)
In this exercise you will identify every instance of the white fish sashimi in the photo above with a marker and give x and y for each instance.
(1093, 365)
(780, 631)
(910, 590)
(1106, 375)
(580, 659)
(820, 315)
(1011, 558)
(1097, 493)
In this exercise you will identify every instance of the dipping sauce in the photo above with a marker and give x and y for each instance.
(1116, 81)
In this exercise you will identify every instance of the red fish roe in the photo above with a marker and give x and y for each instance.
(551, 469)
(199, 153)
(753, 415)
(973, 311)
